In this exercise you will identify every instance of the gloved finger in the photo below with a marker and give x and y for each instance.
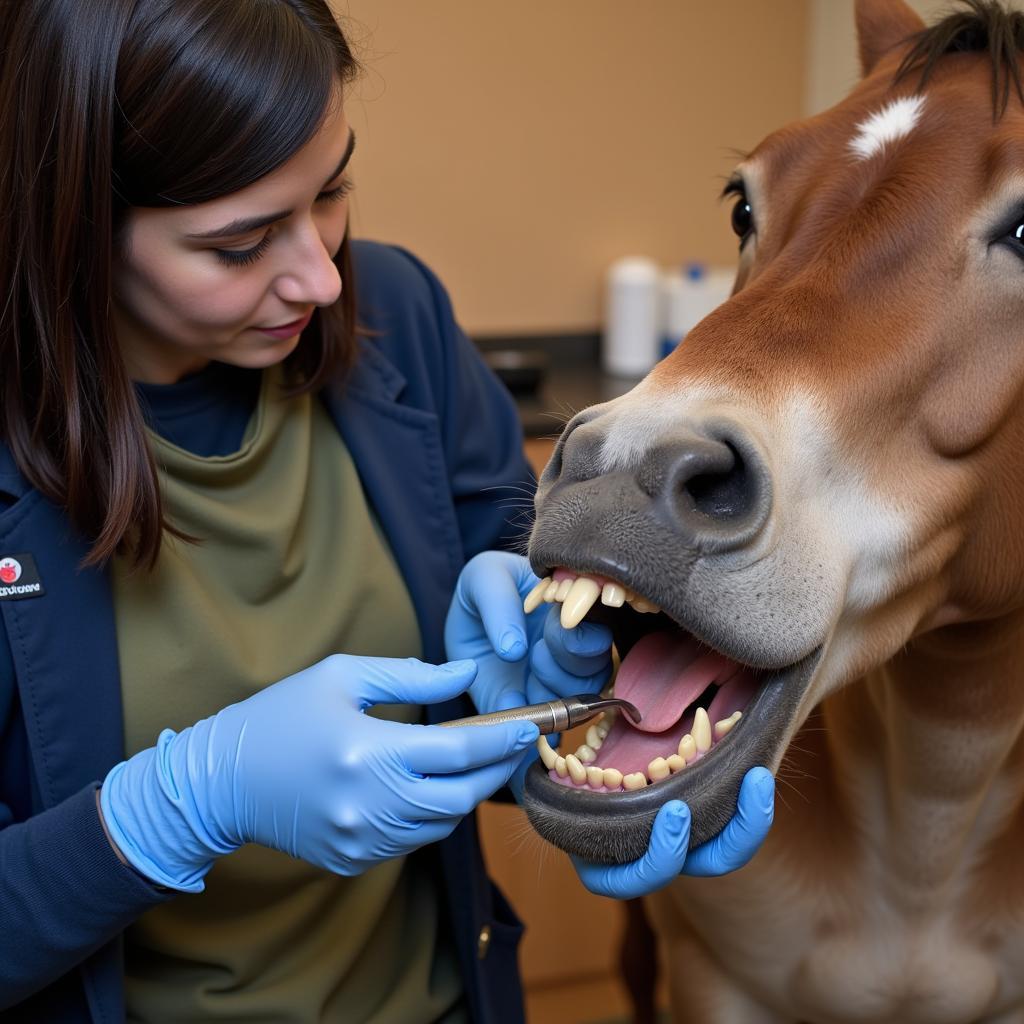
(744, 834)
(411, 839)
(512, 697)
(404, 680)
(548, 680)
(432, 832)
(489, 588)
(433, 750)
(445, 796)
(517, 782)
(664, 859)
(582, 650)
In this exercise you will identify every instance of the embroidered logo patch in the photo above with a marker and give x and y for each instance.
(19, 578)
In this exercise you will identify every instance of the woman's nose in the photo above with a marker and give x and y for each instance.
(313, 279)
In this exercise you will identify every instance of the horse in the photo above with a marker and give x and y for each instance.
(805, 528)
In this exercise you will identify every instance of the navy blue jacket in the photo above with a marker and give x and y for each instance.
(432, 432)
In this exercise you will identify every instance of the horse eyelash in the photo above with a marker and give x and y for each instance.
(735, 187)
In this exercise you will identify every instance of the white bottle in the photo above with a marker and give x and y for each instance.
(690, 294)
(633, 319)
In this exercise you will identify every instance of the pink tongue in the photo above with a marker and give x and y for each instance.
(664, 673)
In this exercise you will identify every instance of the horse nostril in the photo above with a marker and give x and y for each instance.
(720, 494)
(713, 485)
(577, 453)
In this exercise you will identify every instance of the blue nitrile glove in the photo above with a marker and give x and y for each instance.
(667, 857)
(298, 767)
(486, 622)
(564, 662)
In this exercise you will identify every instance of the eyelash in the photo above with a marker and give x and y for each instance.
(249, 256)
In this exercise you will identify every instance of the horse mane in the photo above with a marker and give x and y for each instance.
(986, 25)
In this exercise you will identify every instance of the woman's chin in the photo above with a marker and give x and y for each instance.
(259, 354)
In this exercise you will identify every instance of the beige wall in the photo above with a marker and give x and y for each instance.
(520, 148)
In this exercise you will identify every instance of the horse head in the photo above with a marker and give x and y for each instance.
(825, 475)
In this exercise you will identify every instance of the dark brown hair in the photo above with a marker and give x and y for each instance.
(107, 105)
(984, 26)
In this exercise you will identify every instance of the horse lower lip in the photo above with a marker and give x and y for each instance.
(615, 828)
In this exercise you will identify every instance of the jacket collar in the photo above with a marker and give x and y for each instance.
(373, 375)
(398, 451)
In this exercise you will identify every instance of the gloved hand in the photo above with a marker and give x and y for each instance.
(486, 622)
(666, 856)
(298, 767)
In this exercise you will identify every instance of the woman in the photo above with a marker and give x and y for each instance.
(210, 479)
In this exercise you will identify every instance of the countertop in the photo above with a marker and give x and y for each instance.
(552, 378)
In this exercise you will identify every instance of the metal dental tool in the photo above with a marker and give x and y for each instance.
(555, 715)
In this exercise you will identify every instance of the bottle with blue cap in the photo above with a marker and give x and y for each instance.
(690, 293)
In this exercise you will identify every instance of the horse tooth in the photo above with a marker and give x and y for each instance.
(676, 763)
(586, 754)
(563, 589)
(612, 778)
(561, 769)
(658, 769)
(702, 730)
(535, 597)
(635, 781)
(579, 601)
(613, 595)
(722, 727)
(547, 755)
(576, 770)
(594, 737)
(595, 776)
(549, 594)
(642, 605)
(687, 748)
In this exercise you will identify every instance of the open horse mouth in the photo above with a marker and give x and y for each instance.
(707, 719)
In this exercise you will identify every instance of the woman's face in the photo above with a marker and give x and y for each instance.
(235, 279)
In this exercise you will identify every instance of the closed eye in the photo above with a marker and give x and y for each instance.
(246, 257)
(335, 195)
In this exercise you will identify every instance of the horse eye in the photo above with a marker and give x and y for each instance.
(1014, 238)
(742, 218)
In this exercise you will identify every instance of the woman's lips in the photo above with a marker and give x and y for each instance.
(288, 330)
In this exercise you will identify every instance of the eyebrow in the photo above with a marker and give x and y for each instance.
(246, 224)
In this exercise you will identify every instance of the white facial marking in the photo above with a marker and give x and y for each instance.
(892, 122)
(640, 418)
